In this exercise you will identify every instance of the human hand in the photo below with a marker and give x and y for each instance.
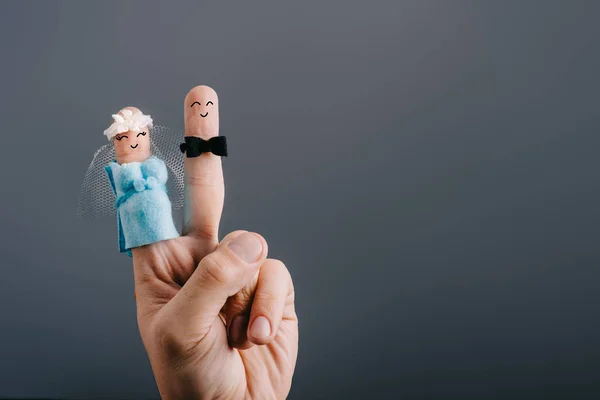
(217, 319)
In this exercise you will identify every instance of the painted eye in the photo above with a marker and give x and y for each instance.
(121, 137)
(141, 133)
(195, 103)
(209, 103)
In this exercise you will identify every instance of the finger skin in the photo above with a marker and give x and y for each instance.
(273, 286)
(204, 190)
(265, 295)
(219, 275)
(239, 305)
(228, 238)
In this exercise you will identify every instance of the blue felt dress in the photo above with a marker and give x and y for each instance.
(143, 207)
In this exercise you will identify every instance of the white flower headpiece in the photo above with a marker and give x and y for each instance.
(129, 121)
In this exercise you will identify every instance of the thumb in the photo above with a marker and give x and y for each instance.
(221, 274)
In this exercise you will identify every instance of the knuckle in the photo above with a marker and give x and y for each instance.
(264, 308)
(217, 272)
(204, 178)
(170, 345)
(278, 265)
(265, 299)
(206, 231)
(279, 268)
(165, 338)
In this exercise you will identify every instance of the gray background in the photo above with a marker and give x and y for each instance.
(428, 171)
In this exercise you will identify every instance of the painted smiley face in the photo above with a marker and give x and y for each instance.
(208, 103)
(122, 136)
(201, 112)
(132, 146)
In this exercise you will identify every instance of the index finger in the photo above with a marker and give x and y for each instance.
(204, 186)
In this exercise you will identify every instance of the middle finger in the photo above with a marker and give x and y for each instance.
(204, 185)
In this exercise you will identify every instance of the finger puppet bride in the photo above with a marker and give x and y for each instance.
(135, 180)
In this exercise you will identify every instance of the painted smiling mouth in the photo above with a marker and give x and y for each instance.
(133, 147)
(204, 115)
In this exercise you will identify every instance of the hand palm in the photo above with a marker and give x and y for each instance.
(258, 372)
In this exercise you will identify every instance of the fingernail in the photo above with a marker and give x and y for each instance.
(261, 328)
(236, 328)
(247, 246)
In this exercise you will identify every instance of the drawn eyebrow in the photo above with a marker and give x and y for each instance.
(121, 137)
(195, 103)
(209, 102)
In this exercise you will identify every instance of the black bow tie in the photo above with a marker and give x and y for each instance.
(194, 146)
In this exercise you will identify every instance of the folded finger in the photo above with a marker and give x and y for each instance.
(268, 302)
(219, 276)
(237, 315)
